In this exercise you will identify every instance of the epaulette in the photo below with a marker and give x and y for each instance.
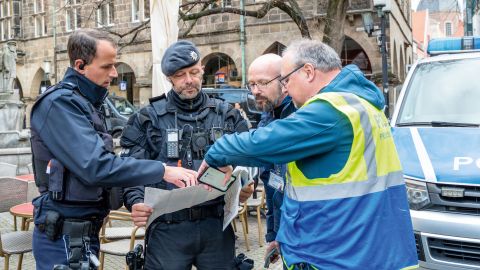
(157, 98)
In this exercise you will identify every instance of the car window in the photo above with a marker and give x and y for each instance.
(123, 106)
(443, 91)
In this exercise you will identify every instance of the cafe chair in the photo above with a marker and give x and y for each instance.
(18, 242)
(259, 205)
(242, 215)
(118, 241)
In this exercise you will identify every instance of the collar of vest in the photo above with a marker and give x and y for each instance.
(163, 105)
(94, 93)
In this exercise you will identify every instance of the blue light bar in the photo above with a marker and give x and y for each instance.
(453, 45)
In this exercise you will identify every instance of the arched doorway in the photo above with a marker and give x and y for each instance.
(40, 82)
(276, 48)
(353, 53)
(220, 71)
(124, 84)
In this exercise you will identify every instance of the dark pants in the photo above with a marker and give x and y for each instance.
(48, 253)
(178, 246)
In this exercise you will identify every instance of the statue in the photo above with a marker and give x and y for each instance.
(8, 66)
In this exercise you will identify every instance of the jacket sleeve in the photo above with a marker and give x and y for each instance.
(135, 144)
(68, 133)
(312, 130)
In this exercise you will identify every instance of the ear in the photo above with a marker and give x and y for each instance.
(309, 71)
(79, 66)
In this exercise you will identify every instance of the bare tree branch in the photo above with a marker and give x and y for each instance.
(291, 9)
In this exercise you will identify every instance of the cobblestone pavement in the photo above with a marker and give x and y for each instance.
(114, 262)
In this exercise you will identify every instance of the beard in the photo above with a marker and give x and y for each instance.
(267, 105)
(189, 91)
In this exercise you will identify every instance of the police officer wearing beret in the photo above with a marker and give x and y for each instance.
(178, 128)
(73, 158)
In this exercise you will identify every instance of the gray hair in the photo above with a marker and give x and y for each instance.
(82, 44)
(320, 55)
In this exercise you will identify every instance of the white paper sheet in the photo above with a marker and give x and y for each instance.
(168, 201)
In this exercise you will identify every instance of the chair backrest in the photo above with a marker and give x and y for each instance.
(12, 191)
(121, 215)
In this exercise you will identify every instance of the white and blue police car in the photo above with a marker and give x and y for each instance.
(436, 128)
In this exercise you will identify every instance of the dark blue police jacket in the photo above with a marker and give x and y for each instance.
(62, 122)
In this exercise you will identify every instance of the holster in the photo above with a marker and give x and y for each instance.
(53, 225)
(134, 258)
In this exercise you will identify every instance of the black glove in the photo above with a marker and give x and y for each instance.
(241, 262)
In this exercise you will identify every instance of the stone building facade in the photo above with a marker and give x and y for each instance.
(41, 29)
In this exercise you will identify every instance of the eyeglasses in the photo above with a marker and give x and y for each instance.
(260, 85)
(284, 80)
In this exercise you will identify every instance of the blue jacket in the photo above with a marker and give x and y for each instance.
(319, 138)
(274, 198)
(63, 122)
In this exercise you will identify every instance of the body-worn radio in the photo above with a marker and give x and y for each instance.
(172, 143)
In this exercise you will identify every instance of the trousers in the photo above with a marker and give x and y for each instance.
(178, 246)
(48, 253)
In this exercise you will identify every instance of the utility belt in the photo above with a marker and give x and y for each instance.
(80, 233)
(192, 214)
(55, 226)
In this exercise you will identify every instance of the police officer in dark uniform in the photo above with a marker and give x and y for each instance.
(178, 128)
(73, 158)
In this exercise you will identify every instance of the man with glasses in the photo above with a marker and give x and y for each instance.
(263, 75)
(345, 204)
(177, 129)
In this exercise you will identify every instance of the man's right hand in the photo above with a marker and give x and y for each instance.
(270, 247)
(180, 177)
(140, 214)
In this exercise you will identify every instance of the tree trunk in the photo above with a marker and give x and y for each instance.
(334, 31)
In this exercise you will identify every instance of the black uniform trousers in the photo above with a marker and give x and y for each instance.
(179, 245)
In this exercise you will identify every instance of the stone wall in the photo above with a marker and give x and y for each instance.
(213, 34)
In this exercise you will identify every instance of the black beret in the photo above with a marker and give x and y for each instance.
(180, 54)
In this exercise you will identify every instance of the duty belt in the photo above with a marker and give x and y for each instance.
(194, 213)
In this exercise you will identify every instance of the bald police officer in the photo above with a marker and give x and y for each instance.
(178, 128)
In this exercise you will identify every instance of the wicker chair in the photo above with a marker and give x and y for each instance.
(111, 233)
(118, 241)
(259, 205)
(18, 242)
(242, 215)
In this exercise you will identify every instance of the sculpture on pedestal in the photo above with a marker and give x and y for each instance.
(8, 67)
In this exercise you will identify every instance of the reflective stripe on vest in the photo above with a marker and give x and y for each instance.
(372, 165)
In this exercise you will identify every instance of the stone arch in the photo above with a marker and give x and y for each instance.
(353, 53)
(276, 48)
(40, 83)
(220, 70)
(124, 84)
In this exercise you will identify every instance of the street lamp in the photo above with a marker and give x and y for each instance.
(382, 13)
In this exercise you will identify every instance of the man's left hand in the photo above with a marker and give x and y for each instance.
(246, 192)
(228, 170)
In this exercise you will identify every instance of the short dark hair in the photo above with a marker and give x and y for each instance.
(82, 44)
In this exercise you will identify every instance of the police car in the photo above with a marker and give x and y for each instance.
(436, 127)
